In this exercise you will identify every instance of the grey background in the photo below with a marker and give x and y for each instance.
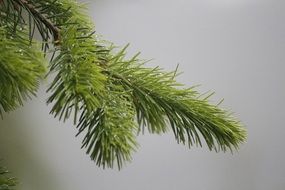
(234, 47)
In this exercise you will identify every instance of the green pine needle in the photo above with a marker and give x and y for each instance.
(160, 100)
(110, 131)
(109, 97)
(21, 68)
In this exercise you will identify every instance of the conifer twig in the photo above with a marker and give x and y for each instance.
(99, 86)
(51, 26)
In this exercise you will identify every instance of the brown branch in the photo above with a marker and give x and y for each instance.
(51, 26)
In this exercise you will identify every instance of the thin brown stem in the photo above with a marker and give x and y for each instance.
(51, 26)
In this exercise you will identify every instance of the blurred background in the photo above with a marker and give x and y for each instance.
(233, 47)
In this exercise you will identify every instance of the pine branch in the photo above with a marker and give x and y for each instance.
(159, 101)
(110, 130)
(79, 80)
(21, 68)
(43, 19)
(101, 89)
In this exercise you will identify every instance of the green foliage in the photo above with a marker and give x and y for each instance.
(6, 182)
(110, 97)
(21, 68)
(79, 82)
(159, 100)
(111, 129)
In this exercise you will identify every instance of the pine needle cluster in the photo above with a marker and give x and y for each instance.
(109, 97)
